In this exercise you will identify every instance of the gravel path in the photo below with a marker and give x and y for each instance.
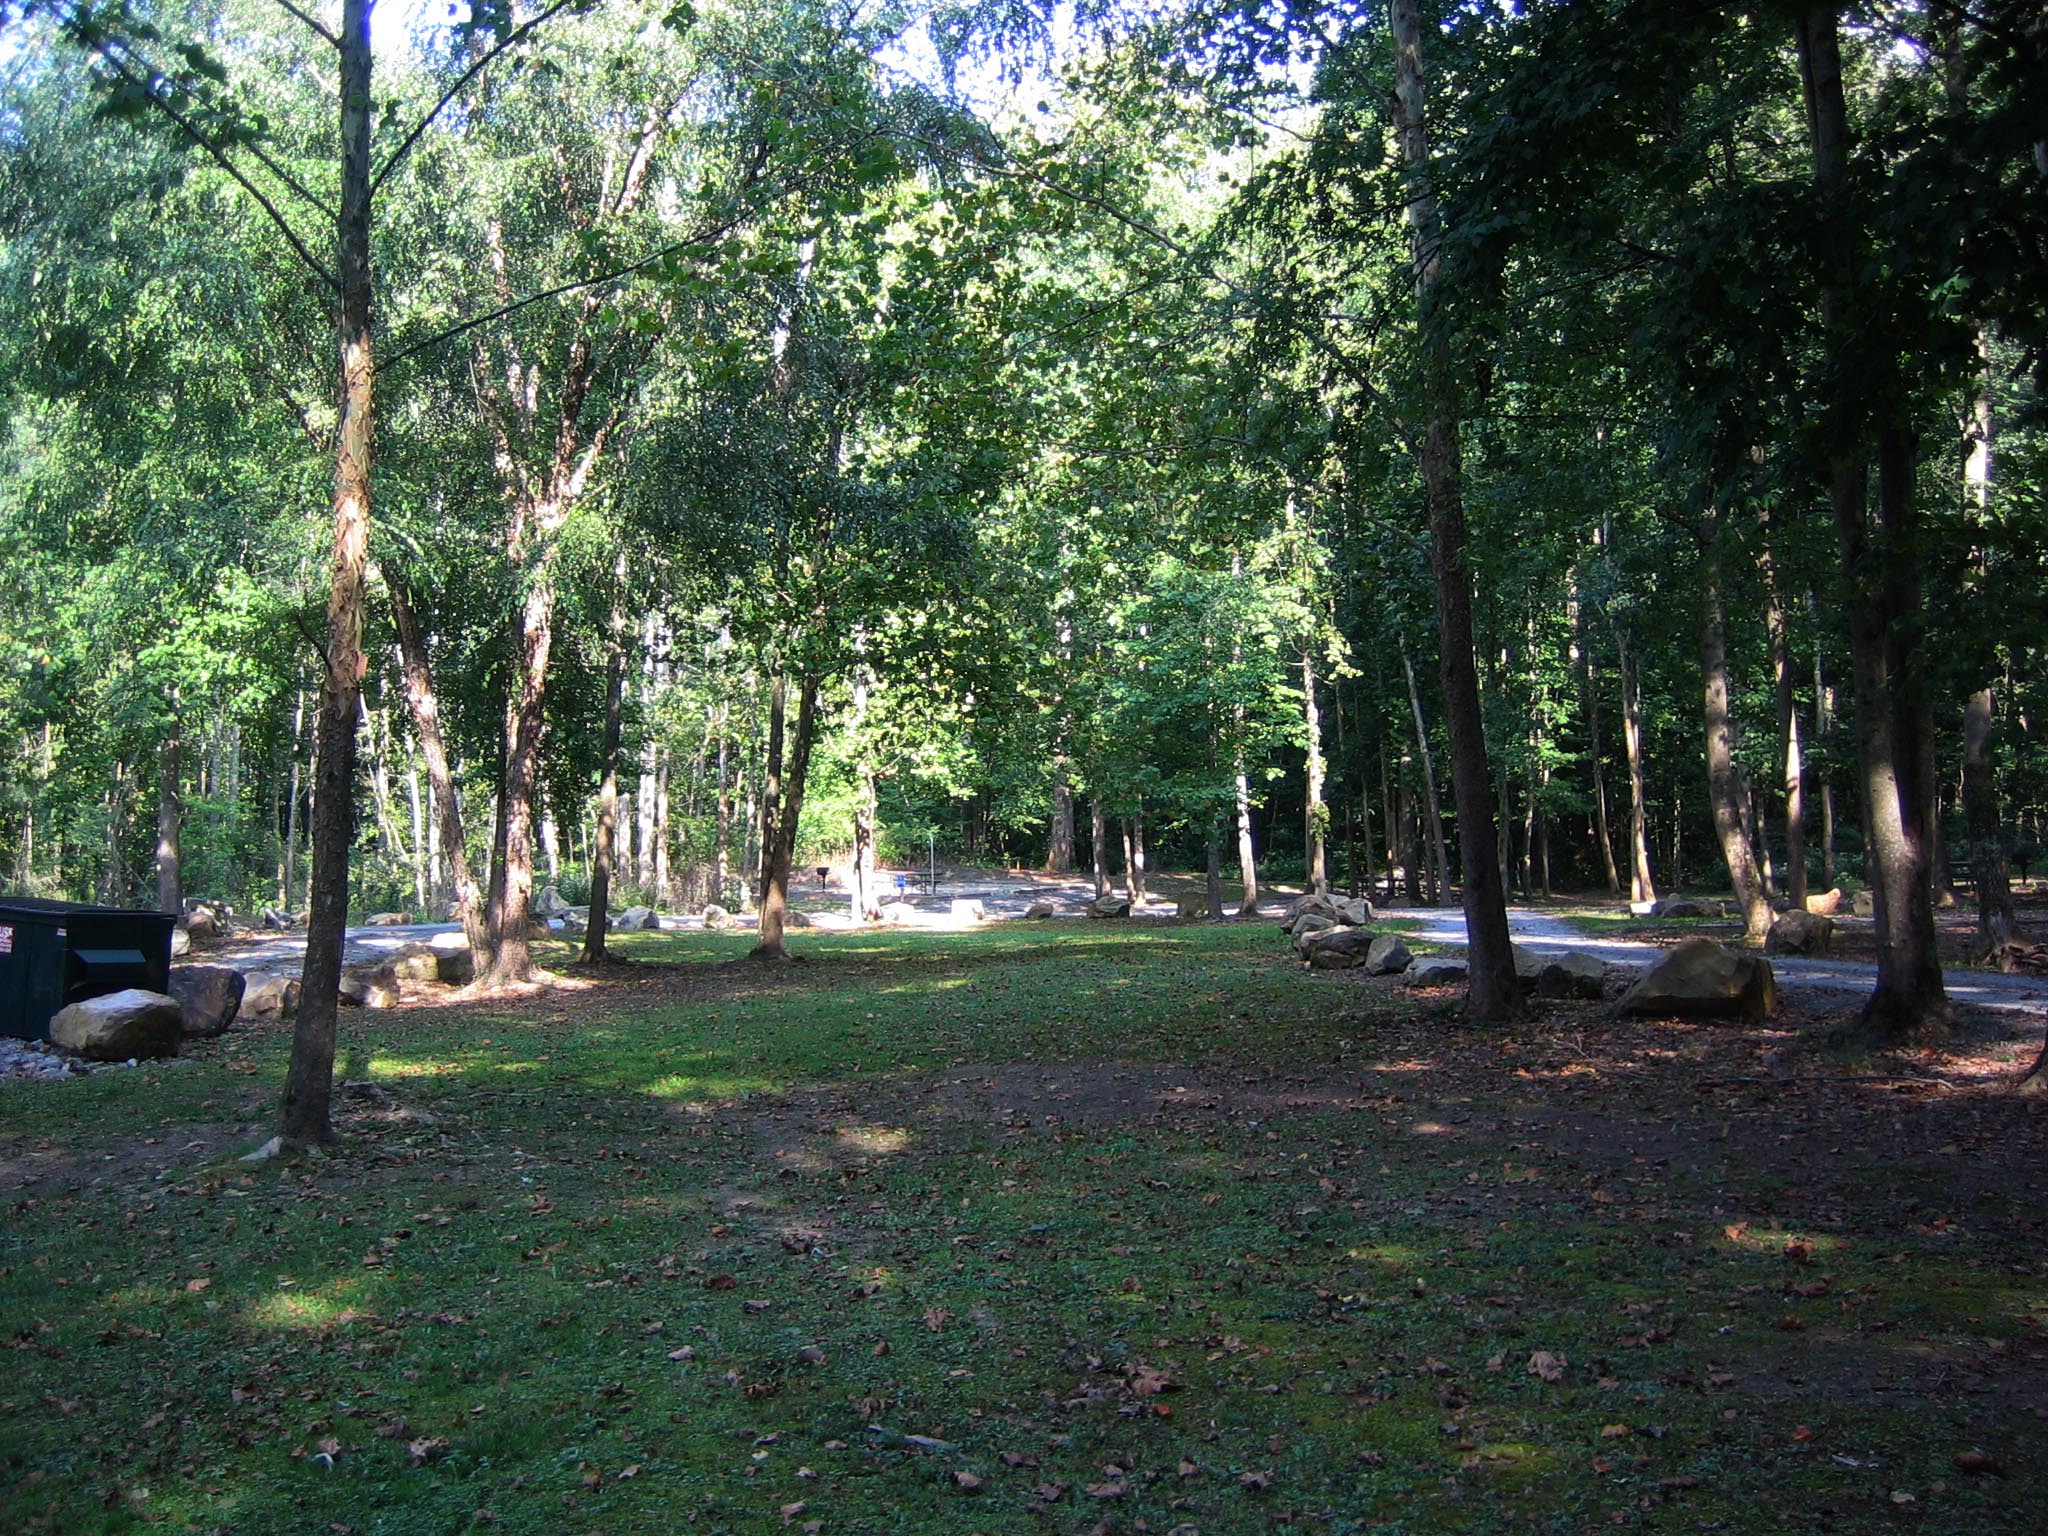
(1547, 933)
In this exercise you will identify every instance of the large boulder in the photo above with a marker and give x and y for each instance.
(635, 920)
(416, 962)
(1435, 971)
(1310, 905)
(1863, 904)
(1307, 927)
(454, 964)
(209, 995)
(1826, 902)
(1571, 974)
(716, 918)
(200, 925)
(1679, 906)
(270, 996)
(1338, 949)
(370, 984)
(181, 942)
(898, 912)
(968, 909)
(1039, 909)
(1110, 906)
(549, 903)
(1800, 933)
(1700, 979)
(385, 920)
(1642, 909)
(797, 918)
(120, 1026)
(1387, 956)
(1354, 910)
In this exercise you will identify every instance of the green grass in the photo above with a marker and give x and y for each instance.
(682, 1250)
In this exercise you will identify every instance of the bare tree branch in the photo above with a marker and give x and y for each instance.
(102, 49)
(517, 35)
(312, 23)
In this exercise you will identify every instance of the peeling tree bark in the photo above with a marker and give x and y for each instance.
(309, 1083)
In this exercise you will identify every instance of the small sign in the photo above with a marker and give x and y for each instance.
(6, 939)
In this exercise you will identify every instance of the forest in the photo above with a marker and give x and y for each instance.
(1563, 447)
(783, 463)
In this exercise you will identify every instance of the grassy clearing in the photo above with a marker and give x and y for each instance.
(1048, 1228)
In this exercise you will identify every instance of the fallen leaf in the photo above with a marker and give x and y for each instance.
(967, 1482)
(1255, 1482)
(1614, 1432)
(1149, 1380)
(1976, 1461)
(196, 1286)
(721, 1283)
(1547, 1366)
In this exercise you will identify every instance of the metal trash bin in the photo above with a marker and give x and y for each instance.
(55, 953)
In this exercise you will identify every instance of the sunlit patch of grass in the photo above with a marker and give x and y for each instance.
(336, 1302)
(399, 1069)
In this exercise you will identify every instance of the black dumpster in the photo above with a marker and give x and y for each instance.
(54, 953)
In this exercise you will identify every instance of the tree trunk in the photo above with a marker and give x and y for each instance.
(1602, 832)
(1989, 873)
(1491, 990)
(1247, 855)
(771, 785)
(1137, 826)
(1315, 814)
(1396, 818)
(1131, 890)
(288, 868)
(1724, 789)
(1212, 886)
(722, 866)
(1893, 745)
(1440, 863)
(1821, 722)
(866, 907)
(423, 701)
(775, 891)
(1641, 887)
(170, 816)
(1098, 845)
(1789, 754)
(512, 914)
(309, 1082)
(599, 927)
(1361, 863)
(1059, 850)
